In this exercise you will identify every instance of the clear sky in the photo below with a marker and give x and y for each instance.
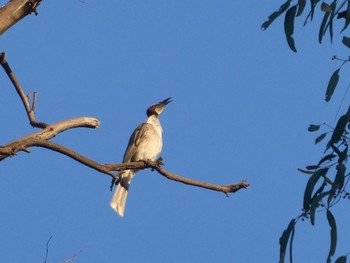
(242, 102)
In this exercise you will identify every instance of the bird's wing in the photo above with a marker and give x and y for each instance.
(141, 133)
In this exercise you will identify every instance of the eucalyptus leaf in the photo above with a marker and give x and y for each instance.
(275, 14)
(333, 225)
(340, 177)
(284, 239)
(341, 259)
(328, 157)
(313, 127)
(346, 41)
(332, 84)
(305, 171)
(320, 138)
(310, 187)
(289, 26)
(339, 130)
(323, 27)
(301, 7)
(314, 204)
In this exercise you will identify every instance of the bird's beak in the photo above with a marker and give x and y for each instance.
(161, 105)
(165, 102)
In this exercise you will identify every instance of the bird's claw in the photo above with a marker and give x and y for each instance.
(115, 181)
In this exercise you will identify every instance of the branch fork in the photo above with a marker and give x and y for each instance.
(48, 131)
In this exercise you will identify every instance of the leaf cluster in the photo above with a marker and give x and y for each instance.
(326, 186)
(294, 9)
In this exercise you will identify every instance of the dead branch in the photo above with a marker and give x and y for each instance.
(14, 11)
(157, 165)
(46, 134)
(42, 137)
(25, 99)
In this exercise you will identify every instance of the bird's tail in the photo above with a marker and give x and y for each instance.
(120, 195)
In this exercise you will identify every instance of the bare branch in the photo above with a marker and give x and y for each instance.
(49, 132)
(47, 249)
(72, 154)
(157, 165)
(24, 98)
(14, 11)
(41, 139)
(34, 140)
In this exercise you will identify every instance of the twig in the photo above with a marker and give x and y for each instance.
(47, 249)
(72, 258)
(24, 98)
(32, 108)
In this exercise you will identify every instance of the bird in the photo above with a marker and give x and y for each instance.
(145, 144)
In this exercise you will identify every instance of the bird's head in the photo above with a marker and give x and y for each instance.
(157, 109)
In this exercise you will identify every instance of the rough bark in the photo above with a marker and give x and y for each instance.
(14, 11)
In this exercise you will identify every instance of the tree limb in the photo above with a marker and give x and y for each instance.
(25, 99)
(46, 134)
(42, 137)
(157, 165)
(14, 11)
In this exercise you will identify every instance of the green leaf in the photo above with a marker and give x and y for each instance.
(347, 15)
(348, 114)
(301, 6)
(275, 14)
(330, 10)
(341, 259)
(333, 226)
(312, 167)
(291, 245)
(328, 157)
(322, 27)
(340, 177)
(313, 127)
(313, 5)
(343, 155)
(305, 171)
(330, 23)
(339, 130)
(320, 138)
(289, 26)
(284, 239)
(332, 84)
(314, 204)
(346, 41)
(310, 187)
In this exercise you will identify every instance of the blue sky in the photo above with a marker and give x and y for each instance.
(242, 102)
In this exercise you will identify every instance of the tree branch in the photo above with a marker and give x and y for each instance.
(25, 99)
(14, 11)
(157, 165)
(42, 137)
(46, 134)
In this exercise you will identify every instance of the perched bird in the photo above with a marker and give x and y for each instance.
(145, 144)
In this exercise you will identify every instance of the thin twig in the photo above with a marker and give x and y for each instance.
(72, 258)
(47, 249)
(24, 98)
(34, 102)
